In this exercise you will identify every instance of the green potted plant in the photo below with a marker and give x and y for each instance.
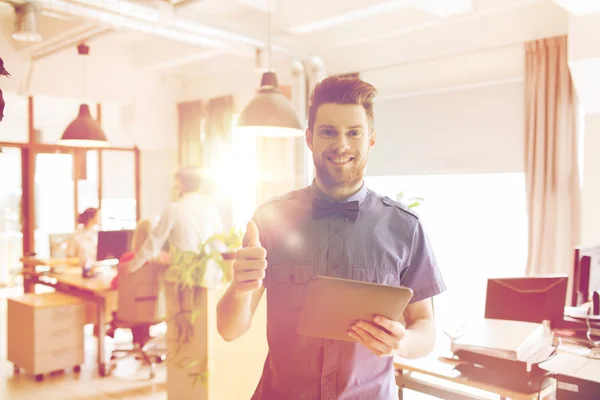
(412, 202)
(227, 244)
(188, 279)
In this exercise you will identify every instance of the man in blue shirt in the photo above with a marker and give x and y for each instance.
(334, 227)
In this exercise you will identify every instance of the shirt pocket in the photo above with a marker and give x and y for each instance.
(382, 276)
(288, 285)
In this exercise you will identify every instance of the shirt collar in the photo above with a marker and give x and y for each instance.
(358, 196)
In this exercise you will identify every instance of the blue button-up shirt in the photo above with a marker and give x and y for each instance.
(385, 245)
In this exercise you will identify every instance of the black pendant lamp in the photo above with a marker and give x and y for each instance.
(84, 131)
(270, 112)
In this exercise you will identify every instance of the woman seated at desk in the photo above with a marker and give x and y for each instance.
(83, 244)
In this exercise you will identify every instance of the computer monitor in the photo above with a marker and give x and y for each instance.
(586, 274)
(113, 244)
(529, 299)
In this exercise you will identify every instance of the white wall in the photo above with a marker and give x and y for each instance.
(472, 130)
(590, 196)
(482, 66)
(584, 63)
(156, 136)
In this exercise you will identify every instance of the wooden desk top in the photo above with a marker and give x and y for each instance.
(99, 284)
(49, 262)
(46, 300)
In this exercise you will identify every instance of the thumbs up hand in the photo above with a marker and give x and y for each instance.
(250, 263)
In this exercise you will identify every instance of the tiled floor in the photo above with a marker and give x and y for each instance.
(128, 381)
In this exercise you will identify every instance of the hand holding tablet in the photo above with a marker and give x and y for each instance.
(355, 311)
(382, 337)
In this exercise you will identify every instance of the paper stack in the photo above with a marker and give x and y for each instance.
(513, 340)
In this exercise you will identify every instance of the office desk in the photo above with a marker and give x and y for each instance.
(443, 368)
(95, 290)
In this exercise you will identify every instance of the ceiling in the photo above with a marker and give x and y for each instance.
(180, 36)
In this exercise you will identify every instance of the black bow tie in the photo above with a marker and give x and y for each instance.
(323, 208)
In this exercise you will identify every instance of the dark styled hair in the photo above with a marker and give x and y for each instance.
(85, 217)
(342, 90)
(190, 178)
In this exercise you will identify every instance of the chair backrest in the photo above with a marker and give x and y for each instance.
(140, 296)
(58, 244)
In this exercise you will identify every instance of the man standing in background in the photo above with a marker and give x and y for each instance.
(185, 223)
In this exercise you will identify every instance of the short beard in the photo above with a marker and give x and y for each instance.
(331, 182)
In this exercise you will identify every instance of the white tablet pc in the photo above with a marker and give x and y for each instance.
(333, 305)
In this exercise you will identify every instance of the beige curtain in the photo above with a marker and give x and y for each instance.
(190, 115)
(219, 123)
(219, 117)
(551, 165)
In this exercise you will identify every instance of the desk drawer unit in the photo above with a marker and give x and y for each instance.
(45, 332)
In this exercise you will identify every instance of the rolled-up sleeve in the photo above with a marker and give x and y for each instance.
(422, 273)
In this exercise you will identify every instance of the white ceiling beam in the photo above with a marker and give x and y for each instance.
(160, 55)
(580, 7)
(425, 26)
(444, 8)
(58, 42)
(176, 62)
(351, 16)
(438, 8)
(461, 35)
(259, 5)
(139, 17)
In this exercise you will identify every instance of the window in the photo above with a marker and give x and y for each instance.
(11, 237)
(118, 201)
(477, 224)
(54, 200)
(16, 117)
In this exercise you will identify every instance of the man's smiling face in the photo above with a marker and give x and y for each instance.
(340, 141)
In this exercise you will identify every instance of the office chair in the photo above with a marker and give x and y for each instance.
(58, 244)
(140, 305)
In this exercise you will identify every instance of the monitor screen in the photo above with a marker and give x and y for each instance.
(529, 299)
(586, 274)
(113, 244)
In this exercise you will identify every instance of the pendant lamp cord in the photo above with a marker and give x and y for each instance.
(83, 76)
(269, 28)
